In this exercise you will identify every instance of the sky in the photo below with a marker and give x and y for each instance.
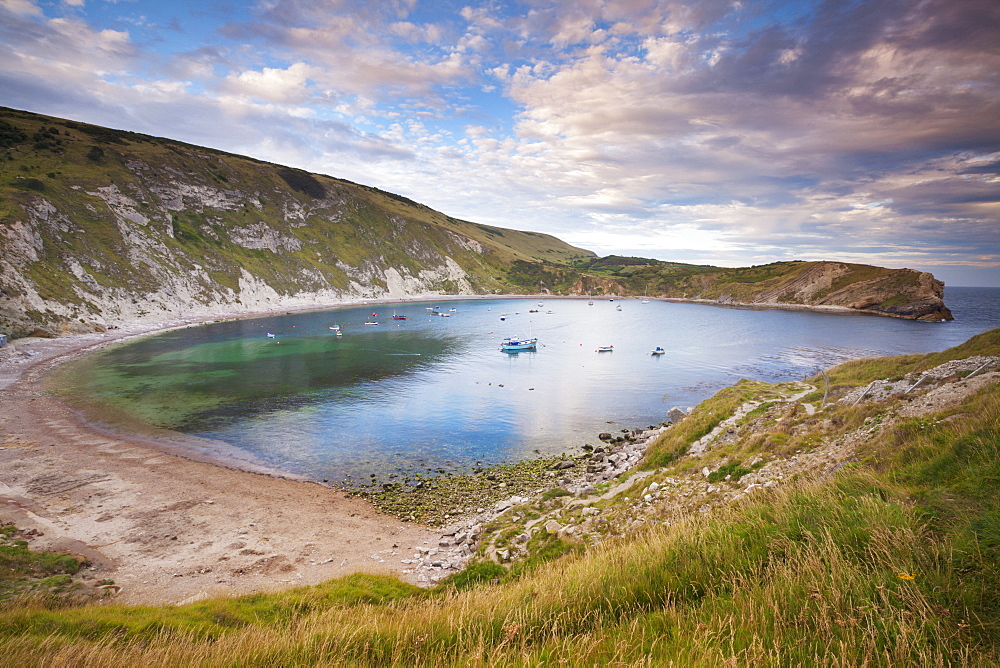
(729, 133)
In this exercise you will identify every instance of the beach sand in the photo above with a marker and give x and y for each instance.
(169, 525)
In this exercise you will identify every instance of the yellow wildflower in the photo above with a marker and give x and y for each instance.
(906, 576)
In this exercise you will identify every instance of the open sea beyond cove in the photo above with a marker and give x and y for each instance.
(435, 393)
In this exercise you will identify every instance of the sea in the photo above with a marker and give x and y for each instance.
(434, 393)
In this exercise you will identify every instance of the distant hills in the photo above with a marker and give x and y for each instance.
(101, 226)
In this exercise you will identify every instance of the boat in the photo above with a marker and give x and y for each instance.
(644, 292)
(618, 308)
(270, 336)
(658, 351)
(605, 349)
(370, 322)
(590, 302)
(398, 317)
(514, 344)
(533, 310)
(540, 304)
(335, 328)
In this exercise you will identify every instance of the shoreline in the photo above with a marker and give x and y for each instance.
(170, 523)
(166, 523)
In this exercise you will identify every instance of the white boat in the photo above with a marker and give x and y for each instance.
(514, 344)
(605, 349)
(618, 308)
(270, 336)
(658, 351)
(370, 322)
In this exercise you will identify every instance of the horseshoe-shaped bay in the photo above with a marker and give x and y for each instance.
(431, 394)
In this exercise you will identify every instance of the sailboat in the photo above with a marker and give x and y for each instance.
(644, 291)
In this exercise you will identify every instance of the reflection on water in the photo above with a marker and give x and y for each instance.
(431, 392)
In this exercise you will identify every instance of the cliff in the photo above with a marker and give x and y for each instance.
(903, 293)
(99, 227)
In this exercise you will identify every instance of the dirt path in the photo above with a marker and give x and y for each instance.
(165, 527)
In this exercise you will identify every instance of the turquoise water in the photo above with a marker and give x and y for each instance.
(435, 393)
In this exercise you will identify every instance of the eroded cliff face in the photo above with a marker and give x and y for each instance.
(151, 247)
(904, 293)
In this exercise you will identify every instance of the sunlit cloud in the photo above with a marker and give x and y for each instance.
(711, 132)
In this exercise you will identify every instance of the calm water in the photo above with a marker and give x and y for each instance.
(435, 392)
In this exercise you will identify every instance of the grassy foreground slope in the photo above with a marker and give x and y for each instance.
(890, 560)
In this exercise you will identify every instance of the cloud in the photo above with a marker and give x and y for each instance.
(271, 84)
(710, 131)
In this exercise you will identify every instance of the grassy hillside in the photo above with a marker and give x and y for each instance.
(888, 558)
(99, 225)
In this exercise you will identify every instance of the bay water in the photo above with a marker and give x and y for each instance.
(434, 394)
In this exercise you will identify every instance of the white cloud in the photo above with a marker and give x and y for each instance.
(271, 84)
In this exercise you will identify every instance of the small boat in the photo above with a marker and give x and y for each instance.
(270, 336)
(658, 351)
(371, 323)
(540, 304)
(590, 302)
(605, 349)
(335, 328)
(453, 309)
(618, 308)
(533, 310)
(514, 344)
(398, 317)
(445, 315)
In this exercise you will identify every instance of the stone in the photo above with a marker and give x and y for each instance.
(566, 464)
(675, 415)
(553, 527)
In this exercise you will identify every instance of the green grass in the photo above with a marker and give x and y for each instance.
(894, 561)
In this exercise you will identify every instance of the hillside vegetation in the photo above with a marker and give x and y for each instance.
(869, 534)
(100, 227)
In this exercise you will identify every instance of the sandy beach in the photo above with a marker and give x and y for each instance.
(171, 526)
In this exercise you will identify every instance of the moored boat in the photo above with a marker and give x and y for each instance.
(514, 344)
(604, 349)
(658, 351)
